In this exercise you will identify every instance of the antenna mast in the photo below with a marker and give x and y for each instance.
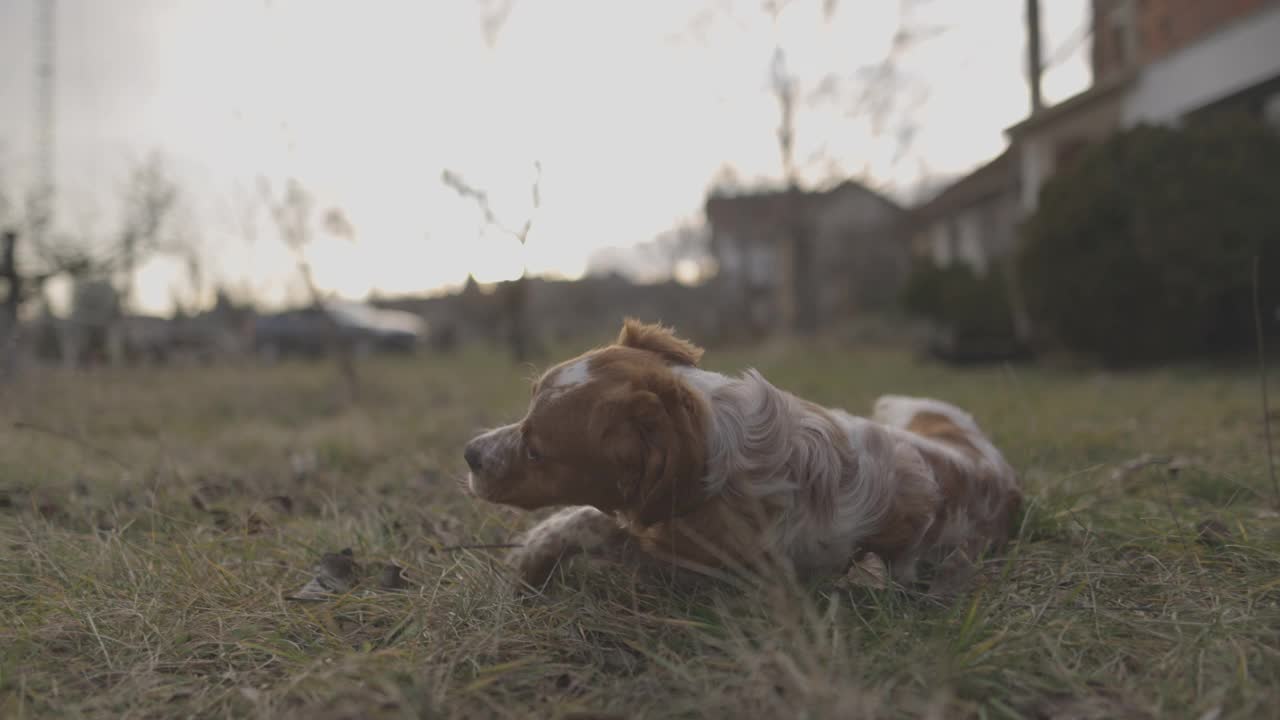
(46, 52)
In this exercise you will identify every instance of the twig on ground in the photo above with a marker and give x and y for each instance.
(481, 546)
(1125, 469)
(24, 425)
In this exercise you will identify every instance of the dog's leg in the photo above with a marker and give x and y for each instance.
(559, 537)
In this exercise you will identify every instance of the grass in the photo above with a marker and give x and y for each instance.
(152, 525)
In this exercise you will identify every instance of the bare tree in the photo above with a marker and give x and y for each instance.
(687, 245)
(493, 15)
(293, 214)
(877, 92)
(515, 298)
(150, 197)
(31, 254)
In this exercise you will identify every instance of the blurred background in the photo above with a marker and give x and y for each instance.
(244, 180)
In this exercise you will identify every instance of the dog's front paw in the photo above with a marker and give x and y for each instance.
(533, 563)
(554, 540)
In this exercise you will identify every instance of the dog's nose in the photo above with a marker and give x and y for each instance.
(472, 456)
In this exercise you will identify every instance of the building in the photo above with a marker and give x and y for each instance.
(1156, 61)
(1153, 61)
(1127, 34)
(788, 259)
(973, 220)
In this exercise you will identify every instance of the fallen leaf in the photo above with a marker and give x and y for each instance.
(221, 518)
(1212, 532)
(868, 572)
(255, 525)
(392, 577)
(335, 574)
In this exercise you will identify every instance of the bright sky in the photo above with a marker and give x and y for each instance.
(632, 108)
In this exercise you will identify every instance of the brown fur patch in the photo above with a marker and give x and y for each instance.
(943, 429)
(654, 427)
(726, 532)
(917, 502)
(658, 339)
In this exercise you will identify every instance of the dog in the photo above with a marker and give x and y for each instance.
(714, 473)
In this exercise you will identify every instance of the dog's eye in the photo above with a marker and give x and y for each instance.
(531, 453)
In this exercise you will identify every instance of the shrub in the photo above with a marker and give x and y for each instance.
(959, 300)
(1143, 251)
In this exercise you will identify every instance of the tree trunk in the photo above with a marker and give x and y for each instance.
(516, 296)
(12, 301)
(9, 272)
(344, 353)
(804, 285)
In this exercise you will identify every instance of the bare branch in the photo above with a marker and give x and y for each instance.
(293, 214)
(336, 223)
(493, 16)
(481, 198)
(784, 89)
(516, 293)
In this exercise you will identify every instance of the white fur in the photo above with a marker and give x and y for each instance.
(897, 411)
(823, 470)
(496, 447)
(564, 534)
(572, 375)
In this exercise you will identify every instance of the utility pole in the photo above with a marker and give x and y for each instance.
(46, 49)
(1022, 324)
(1035, 63)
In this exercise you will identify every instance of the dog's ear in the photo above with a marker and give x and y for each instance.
(657, 443)
(658, 339)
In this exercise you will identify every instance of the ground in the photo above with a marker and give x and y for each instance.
(154, 524)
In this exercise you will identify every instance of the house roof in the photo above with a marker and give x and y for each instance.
(1096, 93)
(998, 175)
(770, 206)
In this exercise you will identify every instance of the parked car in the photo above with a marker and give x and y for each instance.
(315, 331)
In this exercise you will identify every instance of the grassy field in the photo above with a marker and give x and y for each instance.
(154, 524)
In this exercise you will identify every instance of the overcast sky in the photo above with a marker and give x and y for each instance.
(633, 109)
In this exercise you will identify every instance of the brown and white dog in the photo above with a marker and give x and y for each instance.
(711, 472)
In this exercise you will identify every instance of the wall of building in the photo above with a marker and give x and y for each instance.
(1168, 25)
(1238, 57)
(975, 235)
(1137, 32)
(860, 259)
(1040, 148)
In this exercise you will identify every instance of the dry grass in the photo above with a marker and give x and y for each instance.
(147, 560)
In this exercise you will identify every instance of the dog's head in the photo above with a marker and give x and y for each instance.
(614, 428)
